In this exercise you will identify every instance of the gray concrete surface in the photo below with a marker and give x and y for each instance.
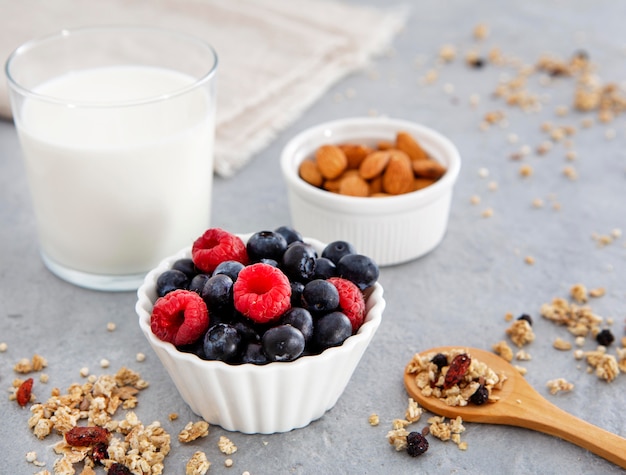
(458, 294)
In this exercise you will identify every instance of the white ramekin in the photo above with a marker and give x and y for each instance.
(276, 397)
(390, 230)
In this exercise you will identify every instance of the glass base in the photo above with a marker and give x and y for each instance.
(107, 283)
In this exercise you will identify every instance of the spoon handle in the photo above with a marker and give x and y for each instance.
(541, 415)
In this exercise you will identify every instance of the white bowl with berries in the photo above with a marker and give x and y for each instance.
(262, 332)
(383, 184)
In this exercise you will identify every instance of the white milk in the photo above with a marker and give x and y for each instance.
(116, 189)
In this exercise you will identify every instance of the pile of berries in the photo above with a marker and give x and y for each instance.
(270, 299)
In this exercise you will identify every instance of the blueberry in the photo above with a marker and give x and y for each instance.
(526, 317)
(331, 329)
(440, 360)
(283, 343)
(230, 268)
(320, 296)
(169, 280)
(248, 331)
(266, 244)
(301, 319)
(197, 283)
(296, 293)
(298, 262)
(222, 342)
(269, 262)
(218, 293)
(324, 268)
(359, 269)
(253, 353)
(337, 249)
(186, 266)
(290, 234)
(196, 348)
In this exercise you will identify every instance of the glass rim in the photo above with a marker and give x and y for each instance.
(67, 32)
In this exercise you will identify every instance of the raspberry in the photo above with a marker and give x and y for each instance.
(262, 292)
(351, 301)
(216, 246)
(180, 317)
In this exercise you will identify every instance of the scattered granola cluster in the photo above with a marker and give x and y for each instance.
(521, 332)
(140, 448)
(527, 85)
(582, 323)
(559, 384)
(438, 427)
(608, 99)
(119, 445)
(193, 431)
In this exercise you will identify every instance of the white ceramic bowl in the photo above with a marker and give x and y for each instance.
(276, 397)
(390, 230)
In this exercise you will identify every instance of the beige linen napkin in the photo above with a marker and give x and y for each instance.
(276, 57)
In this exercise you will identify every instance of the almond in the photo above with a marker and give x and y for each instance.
(331, 161)
(310, 173)
(354, 185)
(385, 144)
(376, 185)
(398, 176)
(355, 153)
(428, 169)
(374, 164)
(335, 185)
(332, 185)
(406, 143)
(420, 183)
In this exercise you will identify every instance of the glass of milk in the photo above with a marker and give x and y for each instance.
(116, 126)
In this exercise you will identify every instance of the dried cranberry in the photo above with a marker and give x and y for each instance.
(456, 372)
(86, 436)
(24, 391)
(119, 469)
(99, 452)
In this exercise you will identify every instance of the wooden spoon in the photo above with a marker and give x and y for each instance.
(520, 405)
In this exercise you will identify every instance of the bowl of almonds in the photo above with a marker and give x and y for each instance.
(383, 184)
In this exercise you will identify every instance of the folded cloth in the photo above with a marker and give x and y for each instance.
(276, 57)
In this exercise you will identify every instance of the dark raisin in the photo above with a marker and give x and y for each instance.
(477, 63)
(605, 337)
(480, 396)
(440, 360)
(526, 317)
(119, 469)
(416, 444)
